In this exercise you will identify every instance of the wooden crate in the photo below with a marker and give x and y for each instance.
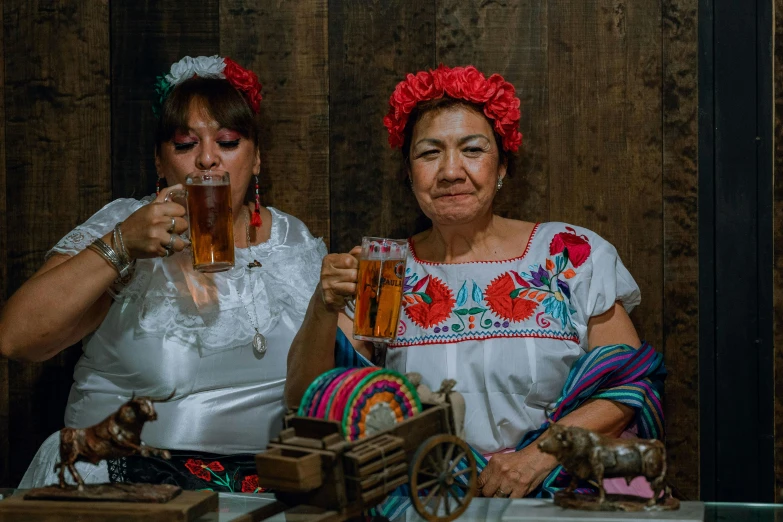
(289, 469)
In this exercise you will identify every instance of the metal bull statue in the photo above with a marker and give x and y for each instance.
(118, 435)
(586, 455)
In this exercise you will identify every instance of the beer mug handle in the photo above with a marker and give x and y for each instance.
(181, 197)
(179, 194)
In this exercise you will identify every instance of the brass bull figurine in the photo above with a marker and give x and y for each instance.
(118, 435)
(586, 455)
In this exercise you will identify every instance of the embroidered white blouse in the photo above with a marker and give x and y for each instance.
(173, 328)
(508, 331)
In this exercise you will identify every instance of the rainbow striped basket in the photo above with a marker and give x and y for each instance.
(365, 401)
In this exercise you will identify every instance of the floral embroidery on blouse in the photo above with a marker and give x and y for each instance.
(429, 301)
(533, 303)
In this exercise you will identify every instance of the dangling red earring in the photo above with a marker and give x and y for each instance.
(256, 220)
(157, 187)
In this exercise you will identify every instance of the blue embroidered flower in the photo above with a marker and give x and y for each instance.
(556, 306)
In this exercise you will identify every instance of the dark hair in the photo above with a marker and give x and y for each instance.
(438, 105)
(223, 102)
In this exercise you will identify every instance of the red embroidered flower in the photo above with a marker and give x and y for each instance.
(199, 469)
(498, 298)
(578, 247)
(196, 467)
(250, 484)
(215, 466)
(498, 97)
(245, 81)
(437, 310)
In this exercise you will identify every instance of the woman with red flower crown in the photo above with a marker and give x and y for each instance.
(507, 308)
(219, 340)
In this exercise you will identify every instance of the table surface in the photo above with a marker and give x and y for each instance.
(234, 505)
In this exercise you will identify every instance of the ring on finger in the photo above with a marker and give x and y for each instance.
(171, 227)
(501, 494)
(173, 238)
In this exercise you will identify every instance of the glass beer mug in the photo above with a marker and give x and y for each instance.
(379, 289)
(207, 200)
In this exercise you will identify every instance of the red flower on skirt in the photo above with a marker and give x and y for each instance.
(498, 297)
(250, 484)
(201, 470)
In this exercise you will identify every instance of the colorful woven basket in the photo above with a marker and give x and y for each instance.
(364, 401)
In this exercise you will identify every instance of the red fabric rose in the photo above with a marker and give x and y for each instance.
(578, 247)
(198, 468)
(498, 298)
(467, 83)
(437, 310)
(250, 484)
(245, 81)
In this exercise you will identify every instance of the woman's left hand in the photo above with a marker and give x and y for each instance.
(516, 474)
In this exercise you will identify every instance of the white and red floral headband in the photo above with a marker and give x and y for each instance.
(496, 95)
(246, 82)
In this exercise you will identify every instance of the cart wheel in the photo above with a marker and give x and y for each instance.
(441, 487)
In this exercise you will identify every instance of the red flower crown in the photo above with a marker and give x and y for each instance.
(497, 96)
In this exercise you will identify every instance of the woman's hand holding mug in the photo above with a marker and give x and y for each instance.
(154, 229)
(339, 274)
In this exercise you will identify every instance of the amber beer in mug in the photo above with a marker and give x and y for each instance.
(379, 289)
(210, 221)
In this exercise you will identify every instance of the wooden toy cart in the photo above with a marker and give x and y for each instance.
(312, 466)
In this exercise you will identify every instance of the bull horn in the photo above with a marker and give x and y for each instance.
(133, 395)
(173, 392)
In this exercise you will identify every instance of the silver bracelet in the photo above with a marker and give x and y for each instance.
(119, 244)
(110, 255)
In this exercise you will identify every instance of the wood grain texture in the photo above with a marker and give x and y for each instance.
(778, 247)
(372, 45)
(605, 134)
(57, 165)
(680, 247)
(292, 65)
(147, 36)
(509, 38)
(4, 426)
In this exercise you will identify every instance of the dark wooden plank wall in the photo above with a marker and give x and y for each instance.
(608, 92)
(778, 246)
(57, 131)
(4, 428)
(680, 240)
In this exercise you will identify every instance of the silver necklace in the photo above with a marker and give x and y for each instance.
(259, 341)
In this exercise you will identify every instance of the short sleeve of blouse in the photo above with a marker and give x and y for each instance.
(605, 281)
(98, 225)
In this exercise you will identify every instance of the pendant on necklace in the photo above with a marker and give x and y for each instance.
(259, 343)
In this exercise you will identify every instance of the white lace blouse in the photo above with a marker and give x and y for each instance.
(173, 328)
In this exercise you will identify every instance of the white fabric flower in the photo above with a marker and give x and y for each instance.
(204, 66)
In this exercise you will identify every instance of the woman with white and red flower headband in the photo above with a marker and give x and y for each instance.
(162, 326)
(518, 313)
